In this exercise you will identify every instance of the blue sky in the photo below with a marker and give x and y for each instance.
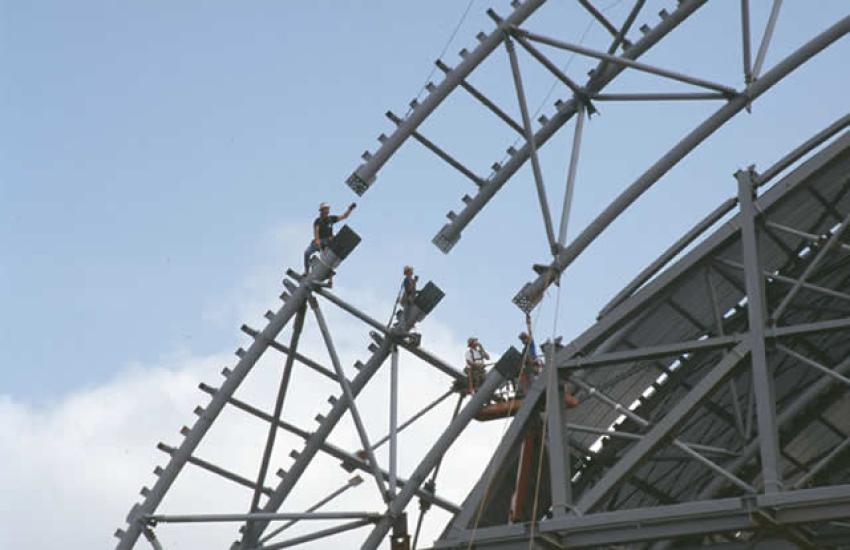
(150, 148)
(161, 163)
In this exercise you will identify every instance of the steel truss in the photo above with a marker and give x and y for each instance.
(687, 436)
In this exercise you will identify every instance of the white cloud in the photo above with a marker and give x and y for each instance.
(73, 468)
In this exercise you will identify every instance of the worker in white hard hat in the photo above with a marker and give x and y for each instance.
(476, 358)
(323, 232)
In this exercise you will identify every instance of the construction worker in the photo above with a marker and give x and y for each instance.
(476, 358)
(323, 232)
(531, 364)
(408, 293)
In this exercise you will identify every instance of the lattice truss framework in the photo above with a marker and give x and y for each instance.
(713, 391)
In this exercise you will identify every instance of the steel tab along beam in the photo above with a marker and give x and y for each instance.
(363, 177)
(662, 430)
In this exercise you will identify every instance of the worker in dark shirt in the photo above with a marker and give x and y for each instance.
(531, 364)
(408, 293)
(323, 231)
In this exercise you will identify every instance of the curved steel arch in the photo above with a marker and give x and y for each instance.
(508, 30)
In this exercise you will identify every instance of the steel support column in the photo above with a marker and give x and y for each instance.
(507, 366)
(756, 309)
(558, 450)
(393, 433)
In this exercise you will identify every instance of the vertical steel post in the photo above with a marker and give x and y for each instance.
(393, 421)
(559, 457)
(745, 38)
(505, 368)
(762, 377)
(571, 175)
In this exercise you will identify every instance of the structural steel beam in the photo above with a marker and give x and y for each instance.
(321, 269)
(695, 232)
(648, 353)
(762, 377)
(532, 146)
(418, 351)
(339, 408)
(626, 62)
(531, 293)
(364, 175)
(662, 430)
(298, 325)
(348, 460)
(480, 492)
(507, 367)
(449, 235)
(352, 405)
(318, 534)
(353, 482)
(605, 529)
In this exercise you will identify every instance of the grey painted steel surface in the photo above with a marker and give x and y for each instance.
(216, 518)
(762, 377)
(532, 292)
(135, 518)
(662, 429)
(822, 168)
(393, 434)
(556, 438)
(746, 42)
(675, 249)
(317, 535)
(679, 520)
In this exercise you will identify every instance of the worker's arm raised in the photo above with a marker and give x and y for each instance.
(345, 214)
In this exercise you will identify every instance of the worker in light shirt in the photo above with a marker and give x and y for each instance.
(476, 360)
